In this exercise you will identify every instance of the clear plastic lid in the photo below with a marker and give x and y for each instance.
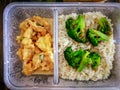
(17, 12)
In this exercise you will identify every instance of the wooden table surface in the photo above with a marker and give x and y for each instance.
(3, 3)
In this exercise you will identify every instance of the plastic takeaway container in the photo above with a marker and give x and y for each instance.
(14, 13)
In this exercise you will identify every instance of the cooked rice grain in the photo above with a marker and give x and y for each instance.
(106, 50)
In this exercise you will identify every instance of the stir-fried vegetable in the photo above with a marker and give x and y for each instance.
(95, 36)
(85, 61)
(76, 28)
(96, 59)
(82, 58)
(104, 26)
(73, 57)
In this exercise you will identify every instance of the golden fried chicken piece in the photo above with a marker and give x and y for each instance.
(36, 49)
(44, 42)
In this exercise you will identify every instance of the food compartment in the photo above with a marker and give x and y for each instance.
(14, 15)
(113, 13)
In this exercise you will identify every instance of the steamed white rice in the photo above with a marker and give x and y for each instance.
(106, 50)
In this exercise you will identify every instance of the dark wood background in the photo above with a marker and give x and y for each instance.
(3, 3)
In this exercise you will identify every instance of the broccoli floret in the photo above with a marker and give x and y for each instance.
(85, 61)
(73, 57)
(67, 53)
(76, 28)
(104, 26)
(96, 60)
(95, 36)
(82, 58)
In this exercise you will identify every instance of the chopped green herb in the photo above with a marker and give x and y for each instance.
(38, 24)
(41, 56)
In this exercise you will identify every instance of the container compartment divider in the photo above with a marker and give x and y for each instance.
(56, 75)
